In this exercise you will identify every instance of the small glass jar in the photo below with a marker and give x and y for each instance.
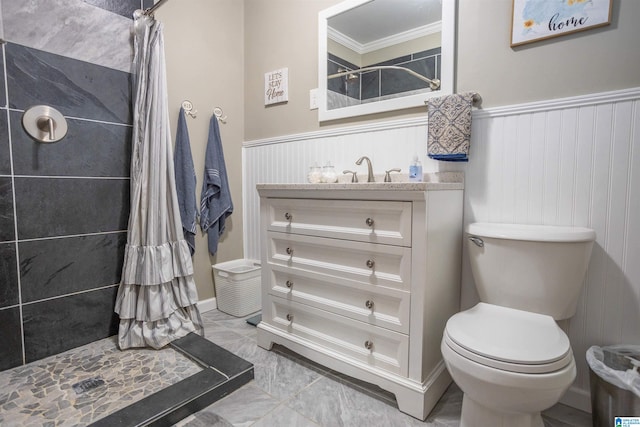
(315, 174)
(329, 174)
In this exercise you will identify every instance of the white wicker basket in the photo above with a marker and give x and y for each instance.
(237, 286)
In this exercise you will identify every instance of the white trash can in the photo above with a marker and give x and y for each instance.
(237, 285)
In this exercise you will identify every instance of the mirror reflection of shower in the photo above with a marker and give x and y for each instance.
(349, 79)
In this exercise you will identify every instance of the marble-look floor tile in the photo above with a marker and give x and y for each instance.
(215, 315)
(220, 335)
(244, 406)
(238, 325)
(333, 403)
(447, 410)
(274, 373)
(561, 415)
(283, 416)
(204, 419)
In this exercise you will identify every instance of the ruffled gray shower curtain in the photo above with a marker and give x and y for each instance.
(157, 296)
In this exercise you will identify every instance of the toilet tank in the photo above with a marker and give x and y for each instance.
(536, 268)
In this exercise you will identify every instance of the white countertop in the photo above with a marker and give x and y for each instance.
(432, 181)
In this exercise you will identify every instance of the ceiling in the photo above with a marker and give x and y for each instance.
(378, 19)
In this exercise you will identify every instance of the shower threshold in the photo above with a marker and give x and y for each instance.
(223, 372)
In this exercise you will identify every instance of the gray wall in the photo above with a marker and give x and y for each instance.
(583, 63)
(64, 206)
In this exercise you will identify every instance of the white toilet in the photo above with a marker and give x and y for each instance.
(507, 353)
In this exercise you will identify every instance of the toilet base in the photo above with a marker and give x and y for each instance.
(477, 415)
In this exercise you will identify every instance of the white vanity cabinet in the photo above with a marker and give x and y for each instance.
(362, 278)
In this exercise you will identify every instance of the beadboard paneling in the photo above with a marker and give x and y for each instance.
(572, 161)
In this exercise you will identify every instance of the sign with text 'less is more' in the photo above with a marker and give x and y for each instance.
(276, 86)
(535, 20)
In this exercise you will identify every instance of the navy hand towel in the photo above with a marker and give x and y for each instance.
(215, 199)
(185, 182)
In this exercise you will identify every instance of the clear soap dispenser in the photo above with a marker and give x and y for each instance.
(415, 170)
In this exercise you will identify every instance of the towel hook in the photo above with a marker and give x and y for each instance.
(188, 108)
(217, 111)
(44, 124)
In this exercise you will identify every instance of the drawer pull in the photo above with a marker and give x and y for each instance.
(289, 317)
(370, 263)
(289, 251)
(289, 284)
(369, 222)
(369, 304)
(368, 344)
(288, 216)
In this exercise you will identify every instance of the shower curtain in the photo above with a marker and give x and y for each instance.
(157, 296)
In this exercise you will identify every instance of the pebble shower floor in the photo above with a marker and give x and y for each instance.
(87, 383)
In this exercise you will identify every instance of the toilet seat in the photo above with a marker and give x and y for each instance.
(508, 339)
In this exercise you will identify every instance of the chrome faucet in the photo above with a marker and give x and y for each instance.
(370, 177)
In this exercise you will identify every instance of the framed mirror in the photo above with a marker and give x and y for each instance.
(383, 55)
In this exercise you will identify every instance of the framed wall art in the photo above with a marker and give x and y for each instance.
(535, 20)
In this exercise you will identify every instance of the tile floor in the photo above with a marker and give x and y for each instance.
(291, 391)
(287, 390)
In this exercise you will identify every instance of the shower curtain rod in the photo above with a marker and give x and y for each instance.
(434, 84)
(149, 11)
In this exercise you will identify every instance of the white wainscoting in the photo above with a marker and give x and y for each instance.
(571, 161)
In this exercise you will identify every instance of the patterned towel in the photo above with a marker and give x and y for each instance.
(450, 127)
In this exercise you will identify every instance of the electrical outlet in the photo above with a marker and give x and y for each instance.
(313, 99)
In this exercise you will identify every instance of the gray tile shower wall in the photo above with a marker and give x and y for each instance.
(71, 28)
(76, 88)
(63, 207)
(59, 324)
(95, 258)
(121, 7)
(5, 162)
(3, 99)
(374, 84)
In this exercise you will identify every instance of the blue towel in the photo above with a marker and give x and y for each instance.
(215, 199)
(186, 182)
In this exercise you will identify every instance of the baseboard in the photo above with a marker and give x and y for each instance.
(207, 305)
(577, 398)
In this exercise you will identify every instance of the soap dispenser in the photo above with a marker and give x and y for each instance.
(415, 170)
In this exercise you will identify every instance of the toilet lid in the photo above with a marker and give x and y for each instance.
(507, 336)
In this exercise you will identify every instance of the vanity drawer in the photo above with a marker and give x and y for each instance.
(382, 265)
(365, 343)
(384, 222)
(377, 305)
